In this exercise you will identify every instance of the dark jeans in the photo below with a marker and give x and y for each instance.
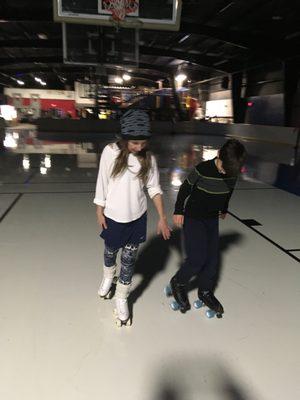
(201, 242)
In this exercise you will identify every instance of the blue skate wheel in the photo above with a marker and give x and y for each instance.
(174, 305)
(210, 313)
(198, 304)
(168, 291)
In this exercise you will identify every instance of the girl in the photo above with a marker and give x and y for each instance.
(126, 167)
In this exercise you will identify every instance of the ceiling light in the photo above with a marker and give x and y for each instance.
(42, 36)
(118, 79)
(180, 77)
(20, 82)
(277, 18)
(220, 63)
(126, 77)
(226, 7)
(292, 35)
(184, 38)
(37, 79)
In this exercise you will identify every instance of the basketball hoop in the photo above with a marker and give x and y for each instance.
(120, 8)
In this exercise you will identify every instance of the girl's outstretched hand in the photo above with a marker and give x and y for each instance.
(163, 228)
(178, 220)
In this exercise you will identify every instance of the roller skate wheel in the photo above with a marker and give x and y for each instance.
(118, 323)
(210, 313)
(198, 304)
(175, 306)
(167, 291)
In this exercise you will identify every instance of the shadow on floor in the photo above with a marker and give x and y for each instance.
(153, 259)
(184, 378)
(154, 256)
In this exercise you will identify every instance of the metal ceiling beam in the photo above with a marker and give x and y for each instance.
(225, 66)
(240, 39)
(144, 50)
(244, 40)
(47, 64)
(254, 44)
(181, 55)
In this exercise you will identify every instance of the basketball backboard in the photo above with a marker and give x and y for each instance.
(147, 14)
(97, 45)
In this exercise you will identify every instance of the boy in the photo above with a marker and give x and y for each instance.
(208, 189)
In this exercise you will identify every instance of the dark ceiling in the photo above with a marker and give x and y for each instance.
(216, 38)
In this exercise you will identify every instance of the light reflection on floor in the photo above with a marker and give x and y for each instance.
(276, 165)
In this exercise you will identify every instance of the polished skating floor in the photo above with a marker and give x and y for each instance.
(59, 340)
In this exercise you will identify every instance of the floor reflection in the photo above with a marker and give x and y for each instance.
(26, 150)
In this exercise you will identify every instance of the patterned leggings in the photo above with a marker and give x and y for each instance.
(128, 257)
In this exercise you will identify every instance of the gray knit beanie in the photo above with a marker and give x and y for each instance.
(135, 125)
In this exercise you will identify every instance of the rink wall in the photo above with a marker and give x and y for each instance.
(264, 133)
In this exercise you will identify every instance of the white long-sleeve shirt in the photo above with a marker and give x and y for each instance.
(123, 197)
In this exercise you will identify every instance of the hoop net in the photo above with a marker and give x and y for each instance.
(120, 8)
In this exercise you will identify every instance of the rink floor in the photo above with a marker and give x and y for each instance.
(59, 340)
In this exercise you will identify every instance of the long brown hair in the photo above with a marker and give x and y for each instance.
(121, 162)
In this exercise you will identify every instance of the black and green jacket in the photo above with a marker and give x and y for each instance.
(206, 190)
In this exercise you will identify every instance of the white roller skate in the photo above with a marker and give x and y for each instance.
(121, 311)
(105, 287)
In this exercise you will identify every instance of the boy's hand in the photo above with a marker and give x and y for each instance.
(178, 220)
(223, 215)
(163, 228)
(101, 220)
